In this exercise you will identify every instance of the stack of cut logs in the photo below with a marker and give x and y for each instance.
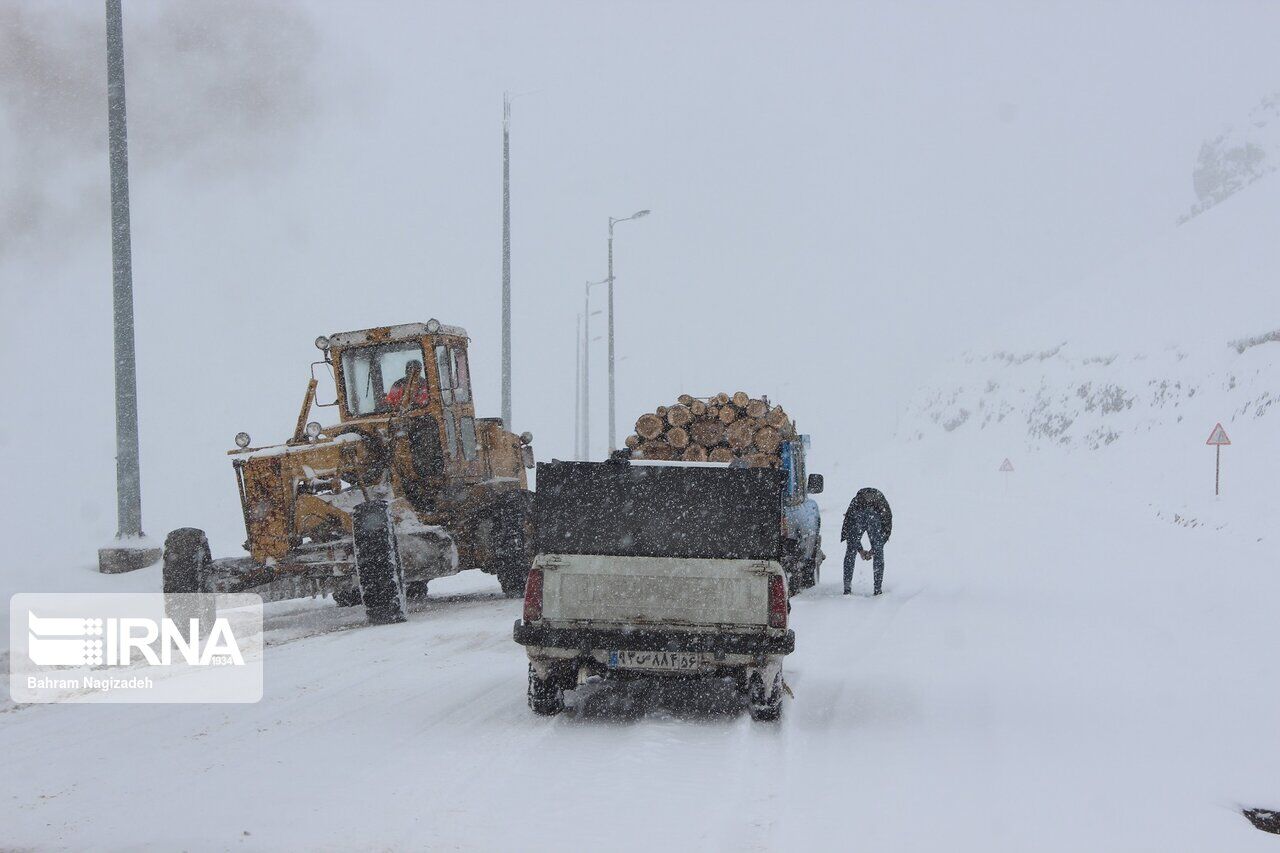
(720, 428)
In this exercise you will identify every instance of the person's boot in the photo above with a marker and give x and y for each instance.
(848, 591)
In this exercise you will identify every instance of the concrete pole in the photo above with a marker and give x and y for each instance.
(586, 372)
(612, 396)
(506, 260)
(586, 368)
(129, 552)
(613, 433)
(577, 390)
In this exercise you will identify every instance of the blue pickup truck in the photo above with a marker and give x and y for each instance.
(802, 524)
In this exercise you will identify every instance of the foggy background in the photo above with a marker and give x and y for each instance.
(842, 194)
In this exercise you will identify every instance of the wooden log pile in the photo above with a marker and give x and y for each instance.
(719, 428)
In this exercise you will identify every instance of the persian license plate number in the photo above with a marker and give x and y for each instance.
(663, 661)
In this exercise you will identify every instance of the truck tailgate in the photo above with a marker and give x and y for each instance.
(622, 590)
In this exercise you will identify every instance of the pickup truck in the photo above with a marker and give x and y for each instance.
(657, 569)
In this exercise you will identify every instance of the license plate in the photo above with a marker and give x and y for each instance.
(663, 661)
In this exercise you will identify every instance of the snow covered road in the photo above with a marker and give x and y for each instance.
(1049, 674)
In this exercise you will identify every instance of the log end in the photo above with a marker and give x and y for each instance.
(694, 453)
(649, 426)
(721, 454)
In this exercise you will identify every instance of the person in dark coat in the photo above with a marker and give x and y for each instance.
(868, 514)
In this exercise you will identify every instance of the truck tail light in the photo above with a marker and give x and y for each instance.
(777, 602)
(533, 596)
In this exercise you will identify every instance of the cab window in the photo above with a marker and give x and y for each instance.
(372, 376)
(450, 433)
(444, 366)
(790, 466)
(467, 433)
(462, 375)
(455, 376)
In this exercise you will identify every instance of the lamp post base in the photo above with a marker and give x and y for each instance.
(128, 556)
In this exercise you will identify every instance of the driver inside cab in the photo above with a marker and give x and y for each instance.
(396, 393)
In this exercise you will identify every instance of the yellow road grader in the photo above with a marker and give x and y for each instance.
(407, 486)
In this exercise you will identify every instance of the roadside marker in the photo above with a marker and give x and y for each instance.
(1007, 467)
(1217, 439)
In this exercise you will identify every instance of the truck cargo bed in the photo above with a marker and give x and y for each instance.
(623, 510)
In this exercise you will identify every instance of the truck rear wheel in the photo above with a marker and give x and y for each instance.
(815, 562)
(185, 570)
(809, 574)
(378, 566)
(514, 551)
(546, 695)
(512, 579)
(186, 560)
(764, 705)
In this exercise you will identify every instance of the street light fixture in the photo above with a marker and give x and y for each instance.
(613, 408)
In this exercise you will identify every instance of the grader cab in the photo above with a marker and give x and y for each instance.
(406, 486)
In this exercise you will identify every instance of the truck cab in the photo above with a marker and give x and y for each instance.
(371, 370)
(802, 554)
(652, 569)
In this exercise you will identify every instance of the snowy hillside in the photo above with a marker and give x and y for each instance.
(1079, 374)
(1067, 398)
(1237, 156)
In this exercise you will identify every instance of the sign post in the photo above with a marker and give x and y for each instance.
(1006, 467)
(1217, 439)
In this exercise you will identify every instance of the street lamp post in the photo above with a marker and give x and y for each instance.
(506, 261)
(613, 432)
(577, 390)
(586, 367)
(507, 98)
(129, 551)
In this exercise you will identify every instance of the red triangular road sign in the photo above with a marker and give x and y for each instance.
(1218, 436)
(1006, 465)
